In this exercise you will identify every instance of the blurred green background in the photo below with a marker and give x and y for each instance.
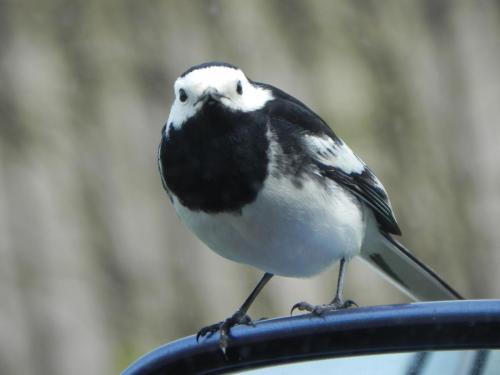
(95, 267)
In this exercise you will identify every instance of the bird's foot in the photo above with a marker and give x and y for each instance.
(318, 310)
(239, 317)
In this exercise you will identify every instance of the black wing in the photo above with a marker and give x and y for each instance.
(367, 187)
(302, 130)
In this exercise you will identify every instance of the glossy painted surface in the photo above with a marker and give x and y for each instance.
(366, 330)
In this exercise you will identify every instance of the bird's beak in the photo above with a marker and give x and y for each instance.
(210, 96)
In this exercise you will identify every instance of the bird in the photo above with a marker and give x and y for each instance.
(263, 180)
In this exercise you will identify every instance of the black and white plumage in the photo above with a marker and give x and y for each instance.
(263, 180)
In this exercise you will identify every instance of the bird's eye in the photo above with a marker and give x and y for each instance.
(182, 95)
(239, 88)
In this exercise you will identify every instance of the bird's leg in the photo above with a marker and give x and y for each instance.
(239, 317)
(336, 304)
(339, 295)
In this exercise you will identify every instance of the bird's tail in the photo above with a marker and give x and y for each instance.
(404, 270)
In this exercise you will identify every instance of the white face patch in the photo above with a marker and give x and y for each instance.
(238, 94)
(330, 153)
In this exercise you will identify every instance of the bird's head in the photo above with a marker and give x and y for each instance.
(214, 84)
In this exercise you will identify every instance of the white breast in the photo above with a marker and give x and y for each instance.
(288, 230)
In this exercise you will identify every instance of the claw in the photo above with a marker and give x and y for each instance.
(319, 310)
(349, 303)
(302, 306)
(224, 329)
(208, 331)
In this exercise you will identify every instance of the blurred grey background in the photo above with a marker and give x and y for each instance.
(95, 267)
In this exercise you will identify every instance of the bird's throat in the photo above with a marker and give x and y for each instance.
(217, 161)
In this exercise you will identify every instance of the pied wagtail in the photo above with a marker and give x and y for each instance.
(262, 180)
